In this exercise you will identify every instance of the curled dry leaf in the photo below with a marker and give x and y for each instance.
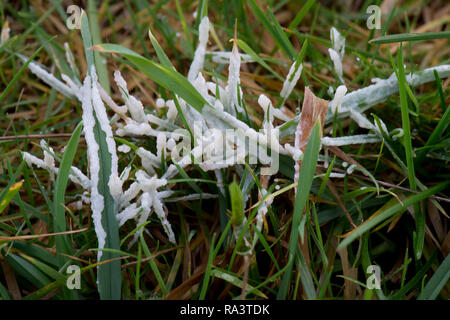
(313, 108)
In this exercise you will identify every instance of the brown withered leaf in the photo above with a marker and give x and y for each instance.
(313, 108)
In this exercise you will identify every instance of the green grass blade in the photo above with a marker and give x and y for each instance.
(301, 14)
(237, 204)
(438, 281)
(208, 269)
(163, 58)
(419, 215)
(369, 224)
(246, 48)
(18, 73)
(274, 28)
(164, 76)
(109, 274)
(59, 216)
(153, 265)
(411, 37)
(435, 135)
(100, 62)
(9, 195)
(306, 177)
(233, 279)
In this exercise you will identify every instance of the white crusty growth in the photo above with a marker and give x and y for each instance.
(134, 105)
(97, 200)
(337, 52)
(48, 78)
(199, 56)
(291, 80)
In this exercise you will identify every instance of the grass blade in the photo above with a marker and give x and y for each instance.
(100, 63)
(437, 281)
(411, 37)
(306, 177)
(369, 224)
(59, 217)
(274, 28)
(419, 236)
(109, 274)
(164, 76)
(10, 193)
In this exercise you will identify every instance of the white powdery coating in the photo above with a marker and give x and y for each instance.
(50, 79)
(157, 205)
(338, 42)
(146, 206)
(136, 109)
(223, 57)
(337, 101)
(170, 144)
(218, 105)
(199, 56)
(337, 63)
(130, 193)
(110, 102)
(337, 175)
(115, 187)
(69, 58)
(75, 88)
(295, 153)
(356, 139)
(364, 98)
(134, 105)
(148, 160)
(120, 81)
(97, 200)
(78, 177)
(160, 145)
(262, 212)
(139, 129)
(162, 123)
(172, 111)
(362, 121)
(351, 169)
(124, 148)
(5, 33)
(279, 114)
(128, 213)
(383, 126)
(48, 159)
(234, 79)
(288, 84)
(202, 88)
(266, 104)
(102, 117)
(30, 160)
(195, 196)
(160, 103)
(148, 184)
